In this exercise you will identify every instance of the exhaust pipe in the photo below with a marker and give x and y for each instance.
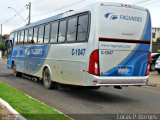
(117, 87)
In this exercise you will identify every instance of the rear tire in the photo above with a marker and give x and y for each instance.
(47, 82)
(159, 71)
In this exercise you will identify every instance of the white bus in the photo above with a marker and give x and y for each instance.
(102, 44)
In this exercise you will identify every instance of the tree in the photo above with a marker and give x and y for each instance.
(2, 45)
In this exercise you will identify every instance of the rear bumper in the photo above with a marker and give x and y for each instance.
(119, 81)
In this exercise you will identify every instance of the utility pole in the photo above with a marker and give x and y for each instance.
(29, 8)
(1, 30)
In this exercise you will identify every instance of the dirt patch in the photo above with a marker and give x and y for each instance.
(5, 114)
(154, 79)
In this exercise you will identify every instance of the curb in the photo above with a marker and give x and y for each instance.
(49, 107)
(11, 110)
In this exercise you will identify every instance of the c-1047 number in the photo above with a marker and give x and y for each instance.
(78, 52)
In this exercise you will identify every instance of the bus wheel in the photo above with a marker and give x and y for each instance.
(15, 72)
(159, 71)
(47, 80)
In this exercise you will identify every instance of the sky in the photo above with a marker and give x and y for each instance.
(41, 9)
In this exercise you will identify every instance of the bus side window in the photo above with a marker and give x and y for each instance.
(72, 29)
(15, 38)
(21, 38)
(18, 37)
(54, 32)
(30, 35)
(62, 31)
(35, 36)
(26, 37)
(12, 38)
(40, 34)
(83, 23)
(47, 33)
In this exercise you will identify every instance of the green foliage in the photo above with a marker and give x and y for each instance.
(28, 107)
(3, 37)
(2, 46)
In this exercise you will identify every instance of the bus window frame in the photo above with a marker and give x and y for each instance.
(15, 38)
(35, 41)
(71, 17)
(43, 34)
(88, 27)
(29, 42)
(57, 21)
(25, 37)
(49, 23)
(21, 37)
(64, 19)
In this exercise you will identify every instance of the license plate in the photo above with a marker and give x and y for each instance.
(123, 70)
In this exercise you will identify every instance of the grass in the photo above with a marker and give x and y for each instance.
(31, 109)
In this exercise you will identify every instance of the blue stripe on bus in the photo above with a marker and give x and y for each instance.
(33, 56)
(134, 63)
(147, 31)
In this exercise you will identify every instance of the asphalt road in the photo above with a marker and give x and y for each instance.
(85, 104)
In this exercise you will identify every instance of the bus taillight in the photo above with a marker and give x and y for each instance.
(148, 64)
(94, 63)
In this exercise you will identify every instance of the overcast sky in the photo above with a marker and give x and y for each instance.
(45, 8)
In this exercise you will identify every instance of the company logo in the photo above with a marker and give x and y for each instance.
(33, 51)
(113, 16)
(27, 51)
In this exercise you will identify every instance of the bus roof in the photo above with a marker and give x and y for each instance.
(61, 15)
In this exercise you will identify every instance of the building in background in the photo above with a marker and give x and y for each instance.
(155, 34)
(156, 39)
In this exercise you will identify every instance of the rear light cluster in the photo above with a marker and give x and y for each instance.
(94, 63)
(148, 64)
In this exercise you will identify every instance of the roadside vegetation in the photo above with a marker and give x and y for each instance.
(2, 45)
(30, 108)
